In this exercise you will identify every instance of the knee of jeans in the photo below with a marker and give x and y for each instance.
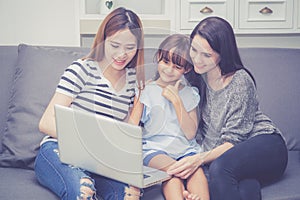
(87, 189)
(132, 193)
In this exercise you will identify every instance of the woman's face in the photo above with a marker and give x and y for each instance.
(204, 58)
(120, 48)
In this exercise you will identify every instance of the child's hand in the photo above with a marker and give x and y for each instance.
(171, 92)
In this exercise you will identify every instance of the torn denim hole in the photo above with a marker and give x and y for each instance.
(56, 151)
(90, 186)
(129, 192)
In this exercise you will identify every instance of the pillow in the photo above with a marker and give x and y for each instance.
(8, 59)
(38, 71)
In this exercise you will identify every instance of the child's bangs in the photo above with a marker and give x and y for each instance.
(174, 57)
(164, 55)
(179, 58)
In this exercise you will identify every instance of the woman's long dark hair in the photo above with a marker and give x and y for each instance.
(220, 36)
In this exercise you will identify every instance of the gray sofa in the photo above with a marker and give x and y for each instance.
(28, 78)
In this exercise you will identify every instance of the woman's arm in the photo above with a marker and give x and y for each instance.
(188, 165)
(47, 122)
(136, 112)
(188, 120)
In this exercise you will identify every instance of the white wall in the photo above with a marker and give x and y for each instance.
(39, 22)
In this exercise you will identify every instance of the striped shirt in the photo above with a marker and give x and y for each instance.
(84, 82)
(91, 91)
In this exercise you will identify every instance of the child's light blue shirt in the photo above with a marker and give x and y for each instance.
(162, 129)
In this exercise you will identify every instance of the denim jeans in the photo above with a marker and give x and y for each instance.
(64, 180)
(240, 172)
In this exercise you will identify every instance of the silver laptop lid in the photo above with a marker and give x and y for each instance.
(99, 144)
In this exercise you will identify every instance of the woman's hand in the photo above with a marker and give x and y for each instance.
(185, 167)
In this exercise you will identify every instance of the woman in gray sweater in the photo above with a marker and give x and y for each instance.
(243, 148)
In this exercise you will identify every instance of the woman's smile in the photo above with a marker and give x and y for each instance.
(119, 62)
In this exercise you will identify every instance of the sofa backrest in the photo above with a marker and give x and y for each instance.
(277, 73)
(8, 59)
(35, 76)
(27, 86)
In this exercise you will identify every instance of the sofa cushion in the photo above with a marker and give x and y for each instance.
(8, 59)
(21, 184)
(37, 73)
(287, 187)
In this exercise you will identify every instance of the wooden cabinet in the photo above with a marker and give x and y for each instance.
(246, 16)
(166, 16)
(275, 16)
(192, 11)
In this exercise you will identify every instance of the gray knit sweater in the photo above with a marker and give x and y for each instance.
(232, 113)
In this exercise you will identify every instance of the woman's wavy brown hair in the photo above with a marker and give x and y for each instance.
(120, 19)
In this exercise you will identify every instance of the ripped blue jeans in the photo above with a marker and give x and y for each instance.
(64, 180)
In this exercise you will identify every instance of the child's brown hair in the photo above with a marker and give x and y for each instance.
(176, 49)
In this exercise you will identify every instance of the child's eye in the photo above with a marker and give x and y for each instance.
(178, 67)
(165, 61)
(193, 49)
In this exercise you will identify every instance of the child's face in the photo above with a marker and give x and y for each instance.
(120, 48)
(169, 72)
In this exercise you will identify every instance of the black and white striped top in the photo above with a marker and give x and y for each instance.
(83, 80)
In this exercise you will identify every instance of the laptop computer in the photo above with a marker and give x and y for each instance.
(104, 146)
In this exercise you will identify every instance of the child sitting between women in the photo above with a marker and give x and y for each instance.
(167, 107)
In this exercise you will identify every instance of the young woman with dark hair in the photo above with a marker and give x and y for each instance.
(243, 149)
